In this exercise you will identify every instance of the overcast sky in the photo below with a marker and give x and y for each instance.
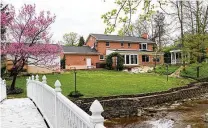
(80, 16)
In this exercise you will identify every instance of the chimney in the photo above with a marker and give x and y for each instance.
(145, 36)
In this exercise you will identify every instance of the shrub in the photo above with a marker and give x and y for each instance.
(191, 71)
(63, 63)
(74, 94)
(3, 69)
(120, 61)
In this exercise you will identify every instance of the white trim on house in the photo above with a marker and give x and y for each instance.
(174, 58)
(142, 47)
(130, 63)
(103, 57)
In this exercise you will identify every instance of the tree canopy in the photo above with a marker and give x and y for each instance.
(71, 38)
(30, 36)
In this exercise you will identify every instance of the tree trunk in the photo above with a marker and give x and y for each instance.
(18, 66)
(13, 81)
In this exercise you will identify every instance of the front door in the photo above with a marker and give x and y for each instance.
(88, 61)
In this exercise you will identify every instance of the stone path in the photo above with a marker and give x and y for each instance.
(20, 113)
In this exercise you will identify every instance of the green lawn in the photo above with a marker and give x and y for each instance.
(163, 69)
(106, 83)
(191, 71)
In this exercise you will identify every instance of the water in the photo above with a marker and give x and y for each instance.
(187, 115)
(162, 123)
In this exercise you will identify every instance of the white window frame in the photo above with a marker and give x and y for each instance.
(103, 57)
(142, 46)
(130, 63)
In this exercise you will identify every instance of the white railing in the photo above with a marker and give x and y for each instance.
(3, 92)
(59, 111)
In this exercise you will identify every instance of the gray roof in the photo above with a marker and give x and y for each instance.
(117, 38)
(79, 50)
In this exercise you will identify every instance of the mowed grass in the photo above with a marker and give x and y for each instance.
(162, 69)
(107, 83)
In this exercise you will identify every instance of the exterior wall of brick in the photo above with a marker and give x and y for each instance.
(75, 60)
(101, 46)
(150, 47)
(91, 41)
(151, 62)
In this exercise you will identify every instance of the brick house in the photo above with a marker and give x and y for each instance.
(137, 51)
(80, 57)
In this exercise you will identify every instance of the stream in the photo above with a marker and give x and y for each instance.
(188, 113)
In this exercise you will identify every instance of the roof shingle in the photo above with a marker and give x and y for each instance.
(132, 39)
(79, 50)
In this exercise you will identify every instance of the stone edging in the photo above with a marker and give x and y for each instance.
(128, 105)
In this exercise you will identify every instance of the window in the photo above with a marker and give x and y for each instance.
(133, 59)
(122, 44)
(101, 57)
(107, 44)
(145, 58)
(157, 59)
(129, 45)
(130, 59)
(127, 59)
(143, 46)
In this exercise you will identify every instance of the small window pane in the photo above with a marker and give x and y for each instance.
(101, 57)
(145, 58)
(121, 44)
(107, 44)
(127, 59)
(140, 46)
(135, 59)
(129, 44)
(144, 46)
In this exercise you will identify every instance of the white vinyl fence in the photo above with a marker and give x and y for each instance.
(3, 92)
(58, 110)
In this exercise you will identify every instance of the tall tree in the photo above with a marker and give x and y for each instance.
(30, 37)
(6, 17)
(71, 38)
(81, 41)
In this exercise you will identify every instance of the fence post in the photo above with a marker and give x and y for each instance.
(32, 77)
(96, 117)
(28, 87)
(4, 88)
(197, 69)
(44, 81)
(1, 89)
(37, 78)
(58, 90)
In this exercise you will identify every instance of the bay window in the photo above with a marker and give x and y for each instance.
(131, 59)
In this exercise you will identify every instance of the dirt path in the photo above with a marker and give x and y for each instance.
(177, 72)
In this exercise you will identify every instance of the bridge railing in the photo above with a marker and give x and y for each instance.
(3, 92)
(59, 111)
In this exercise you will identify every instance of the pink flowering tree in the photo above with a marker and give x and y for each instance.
(6, 17)
(31, 39)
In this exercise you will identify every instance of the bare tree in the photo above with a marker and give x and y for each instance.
(71, 38)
